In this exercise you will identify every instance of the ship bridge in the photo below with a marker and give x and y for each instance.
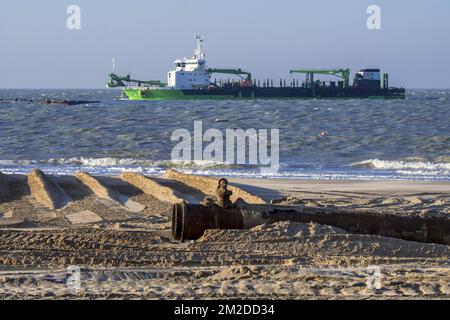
(190, 73)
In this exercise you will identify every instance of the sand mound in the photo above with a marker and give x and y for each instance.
(425, 205)
(294, 229)
(292, 240)
(269, 232)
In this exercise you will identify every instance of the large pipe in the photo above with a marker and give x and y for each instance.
(189, 221)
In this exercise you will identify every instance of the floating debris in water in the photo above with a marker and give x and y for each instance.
(50, 101)
(323, 133)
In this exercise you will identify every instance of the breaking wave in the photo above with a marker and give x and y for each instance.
(111, 162)
(112, 165)
(407, 167)
(373, 169)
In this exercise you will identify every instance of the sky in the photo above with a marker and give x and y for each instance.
(268, 38)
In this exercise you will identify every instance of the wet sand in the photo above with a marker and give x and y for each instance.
(120, 239)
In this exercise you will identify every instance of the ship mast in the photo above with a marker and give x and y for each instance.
(198, 52)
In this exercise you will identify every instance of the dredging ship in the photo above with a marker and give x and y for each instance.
(191, 80)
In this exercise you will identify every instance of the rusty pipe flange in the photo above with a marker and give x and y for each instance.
(178, 210)
(197, 218)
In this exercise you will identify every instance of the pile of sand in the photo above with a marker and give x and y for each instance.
(293, 240)
(426, 205)
(271, 232)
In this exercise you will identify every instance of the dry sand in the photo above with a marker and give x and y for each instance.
(126, 254)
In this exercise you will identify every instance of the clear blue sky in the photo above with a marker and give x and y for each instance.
(265, 37)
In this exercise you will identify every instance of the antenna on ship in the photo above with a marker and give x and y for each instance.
(198, 53)
(114, 65)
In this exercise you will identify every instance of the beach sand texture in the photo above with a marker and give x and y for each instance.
(117, 231)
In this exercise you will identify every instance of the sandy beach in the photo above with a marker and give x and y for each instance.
(117, 231)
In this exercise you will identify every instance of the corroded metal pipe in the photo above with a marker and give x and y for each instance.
(189, 221)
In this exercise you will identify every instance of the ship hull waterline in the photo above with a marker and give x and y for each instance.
(174, 94)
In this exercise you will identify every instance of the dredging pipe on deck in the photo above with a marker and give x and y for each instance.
(189, 221)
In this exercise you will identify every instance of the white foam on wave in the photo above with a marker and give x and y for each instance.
(105, 166)
(321, 175)
(417, 168)
(373, 169)
(92, 162)
(112, 162)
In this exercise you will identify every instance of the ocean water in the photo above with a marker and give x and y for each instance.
(366, 139)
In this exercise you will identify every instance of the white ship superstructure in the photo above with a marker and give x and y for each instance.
(190, 73)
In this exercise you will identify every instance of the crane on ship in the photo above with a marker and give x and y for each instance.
(116, 81)
(341, 73)
(244, 75)
(239, 72)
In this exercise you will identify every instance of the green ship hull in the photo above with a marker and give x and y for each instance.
(163, 94)
(265, 93)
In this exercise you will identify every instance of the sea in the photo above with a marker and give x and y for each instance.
(318, 139)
